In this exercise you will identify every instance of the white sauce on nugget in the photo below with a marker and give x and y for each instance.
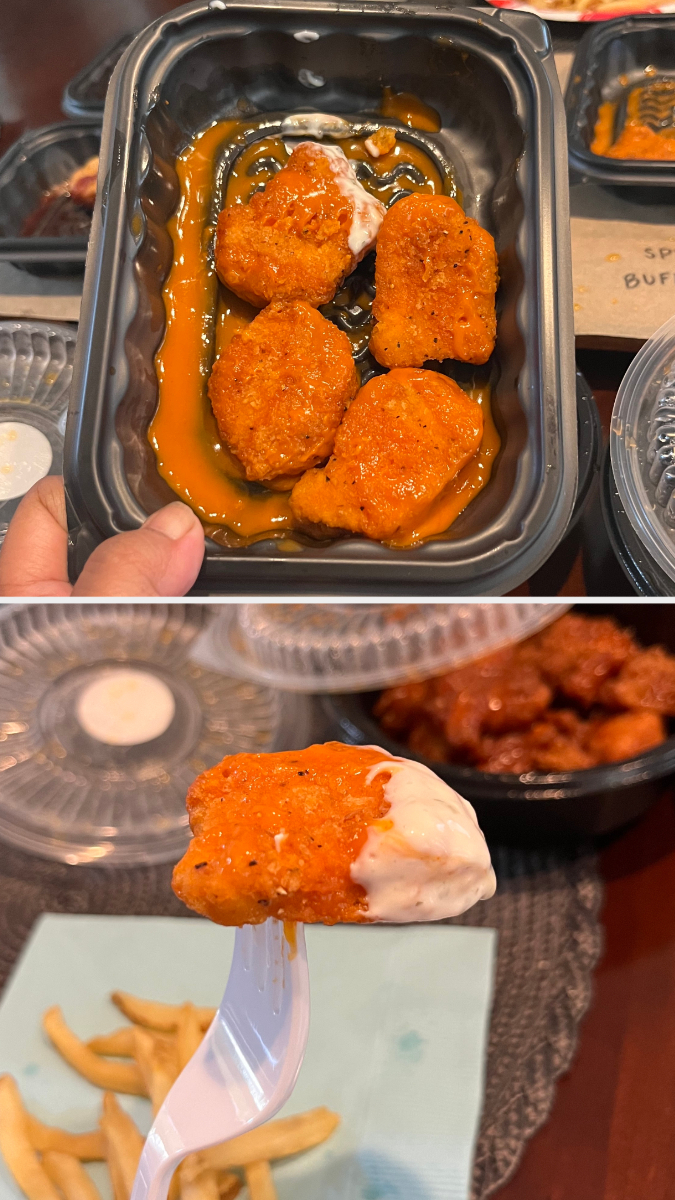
(369, 212)
(433, 862)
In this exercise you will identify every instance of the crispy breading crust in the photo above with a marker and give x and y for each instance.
(275, 835)
(280, 390)
(291, 241)
(436, 278)
(403, 438)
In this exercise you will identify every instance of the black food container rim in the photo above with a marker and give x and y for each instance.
(642, 571)
(653, 765)
(621, 172)
(458, 567)
(92, 108)
(590, 446)
(57, 250)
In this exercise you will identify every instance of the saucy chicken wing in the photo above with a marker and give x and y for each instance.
(300, 237)
(404, 437)
(554, 743)
(280, 390)
(577, 654)
(646, 680)
(493, 695)
(504, 713)
(625, 735)
(328, 834)
(436, 278)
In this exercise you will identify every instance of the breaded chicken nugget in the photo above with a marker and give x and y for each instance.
(578, 654)
(280, 389)
(403, 438)
(646, 680)
(327, 834)
(436, 278)
(625, 736)
(301, 236)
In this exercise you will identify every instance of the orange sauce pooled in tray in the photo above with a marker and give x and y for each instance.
(636, 140)
(409, 110)
(183, 431)
(461, 490)
(202, 317)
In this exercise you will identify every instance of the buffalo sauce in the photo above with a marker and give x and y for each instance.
(291, 935)
(202, 316)
(183, 432)
(245, 175)
(409, 110)
(461, 490)
(636, 140)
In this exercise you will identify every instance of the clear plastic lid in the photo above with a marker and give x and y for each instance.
(642, 445)
(355, 647)
(36, 368)
(105, 720)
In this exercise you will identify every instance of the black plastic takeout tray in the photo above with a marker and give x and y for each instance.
(36, 162)
(492, 77)
(84, 95)
(610, 61)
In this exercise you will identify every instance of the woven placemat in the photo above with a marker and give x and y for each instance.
(545, 911)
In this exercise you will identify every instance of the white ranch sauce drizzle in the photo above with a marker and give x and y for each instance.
(369, 212)
(433, 862)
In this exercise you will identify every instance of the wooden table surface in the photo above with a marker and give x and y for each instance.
(611, 1135)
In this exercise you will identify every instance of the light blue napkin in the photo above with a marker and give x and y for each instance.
(396, 1046)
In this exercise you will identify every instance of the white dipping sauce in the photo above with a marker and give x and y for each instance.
(433, 862)
(25, 457)
(369, 212)
(124, 707)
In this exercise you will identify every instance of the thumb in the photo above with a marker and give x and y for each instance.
(162, 558)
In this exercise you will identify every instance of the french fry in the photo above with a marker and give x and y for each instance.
(203, 1186)
(188, 1035)
(258, 1180)
(276, 1139)
(156, 1015)
(229, 1185)
(118, 1044)
(86, 1146)
(70, 1176)
(115, 1076)
(16, 1148)
(157, 1065)
(123, 1146)
(197, 1183)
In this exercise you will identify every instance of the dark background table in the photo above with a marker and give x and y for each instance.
(610, 1135)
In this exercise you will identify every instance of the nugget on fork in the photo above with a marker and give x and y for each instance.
(329, 834)
(436, 278)
(300, 237)
(280, 390)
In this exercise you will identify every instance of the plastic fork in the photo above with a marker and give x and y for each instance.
(247, 1064)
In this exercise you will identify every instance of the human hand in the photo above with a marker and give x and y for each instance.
(162, 558)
